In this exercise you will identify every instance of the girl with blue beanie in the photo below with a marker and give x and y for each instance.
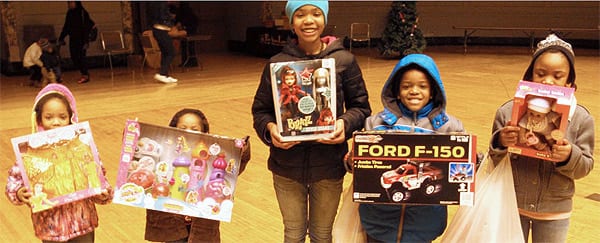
(308, 175)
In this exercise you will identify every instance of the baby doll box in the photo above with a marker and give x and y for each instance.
(304, 97)
(59, 166)
(183, 172)
(542, 113)
(392, 167)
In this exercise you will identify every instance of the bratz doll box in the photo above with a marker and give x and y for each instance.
(304, 98)
(392, 167)
(59, 166)
(541, 112)
(183, 172)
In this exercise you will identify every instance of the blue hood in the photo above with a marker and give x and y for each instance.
(435, 110)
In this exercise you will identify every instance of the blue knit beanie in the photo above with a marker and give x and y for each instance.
(292, 6)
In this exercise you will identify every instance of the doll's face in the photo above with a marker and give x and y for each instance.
(308, 23)
(290, 80)
(54, 114)
(551, 68)
(189, 121)
(415, 91)
(535, 116)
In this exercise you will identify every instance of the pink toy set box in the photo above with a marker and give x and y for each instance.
(304, 98)
(183, 172)
(541, 112)
(392, 167)
(59, 166)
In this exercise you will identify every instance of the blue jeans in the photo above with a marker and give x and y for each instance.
(545, 230)
(320, 199)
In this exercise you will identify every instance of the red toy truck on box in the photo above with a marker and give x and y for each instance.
(411, 176)
(542, 112)
(396, 167)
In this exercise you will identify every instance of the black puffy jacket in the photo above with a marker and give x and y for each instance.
(309, 161)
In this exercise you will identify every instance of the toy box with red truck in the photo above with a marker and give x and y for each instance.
(396, 167)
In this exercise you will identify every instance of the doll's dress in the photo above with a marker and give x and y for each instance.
(289, 98)
(323, 97)
(542, 131)
(62, 167)
(40, 202)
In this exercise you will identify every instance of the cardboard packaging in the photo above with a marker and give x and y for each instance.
(401, 168)
(59, 166)
(178, 171)
(542, 113)
(304, 96)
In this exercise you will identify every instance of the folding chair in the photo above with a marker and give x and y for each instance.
(112, 44)
(360, 32)
(151, 49)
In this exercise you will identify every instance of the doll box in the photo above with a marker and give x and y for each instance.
(304, 96)
(177, 171)
(59, 166)
(402, 168)
(542, 113)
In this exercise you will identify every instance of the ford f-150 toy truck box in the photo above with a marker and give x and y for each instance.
(397, 167)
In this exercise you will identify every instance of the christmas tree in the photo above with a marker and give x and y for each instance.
(402, 35)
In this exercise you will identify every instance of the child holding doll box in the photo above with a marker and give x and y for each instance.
(308, 175)
(544, 188)
(76, 221)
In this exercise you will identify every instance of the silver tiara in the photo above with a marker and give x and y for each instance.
(553, 40)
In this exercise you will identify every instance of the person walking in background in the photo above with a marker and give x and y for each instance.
(308, 175)
(161, 22)
(75, 221)
(544, 188)
(78, 25)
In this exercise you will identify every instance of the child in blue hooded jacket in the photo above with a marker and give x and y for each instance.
(414, 101)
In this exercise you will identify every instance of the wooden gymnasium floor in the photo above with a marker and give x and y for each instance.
(476, 84)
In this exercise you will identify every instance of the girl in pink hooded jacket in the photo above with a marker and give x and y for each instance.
(55, 107)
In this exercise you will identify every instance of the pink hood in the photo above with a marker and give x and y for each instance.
(53, 88)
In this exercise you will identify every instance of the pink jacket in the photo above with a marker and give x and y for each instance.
(67, 221)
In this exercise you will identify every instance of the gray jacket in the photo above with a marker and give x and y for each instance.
(543, 186)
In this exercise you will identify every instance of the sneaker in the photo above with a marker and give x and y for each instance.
(83, 80)
(173, 80)
(164, 79)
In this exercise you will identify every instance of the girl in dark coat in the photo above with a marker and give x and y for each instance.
(308, 175)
